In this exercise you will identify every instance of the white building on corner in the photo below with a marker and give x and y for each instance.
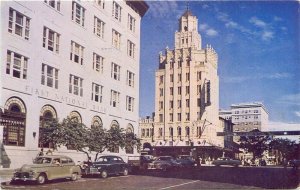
(67, 58)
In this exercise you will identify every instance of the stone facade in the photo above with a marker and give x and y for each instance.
(67, 58)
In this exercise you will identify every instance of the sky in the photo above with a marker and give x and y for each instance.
(258, 49)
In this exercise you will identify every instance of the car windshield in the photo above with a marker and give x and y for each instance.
(165, 158)
(42, 160)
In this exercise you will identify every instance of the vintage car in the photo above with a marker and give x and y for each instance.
(139, 162)
(164, 163)
(294, 163)
(106, 165)
(226, 161)
(47, 168)
(186, 161)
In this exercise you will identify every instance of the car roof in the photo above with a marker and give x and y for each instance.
(55, 156)
(109, 156)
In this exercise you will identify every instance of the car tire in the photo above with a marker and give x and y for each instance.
(41, 179)
(125, 172)
(74, 176)
(104, 174)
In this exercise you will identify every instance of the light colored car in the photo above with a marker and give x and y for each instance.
(47, 168)
(164, 163)
(226, 161)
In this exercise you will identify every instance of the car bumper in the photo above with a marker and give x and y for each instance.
(23, 179)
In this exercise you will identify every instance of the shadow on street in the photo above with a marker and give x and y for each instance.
(270, 178)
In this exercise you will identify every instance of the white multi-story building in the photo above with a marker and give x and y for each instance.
(187, 92)
(67, 58)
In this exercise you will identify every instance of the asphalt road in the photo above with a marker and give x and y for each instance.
(202, 178)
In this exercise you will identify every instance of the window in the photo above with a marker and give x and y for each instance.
(131, 23)
(100, 3)
(160, 132)
(97, 92)
(187, 90)
(18, 24)
(198, 89)
(78, 13)
(179, 77)
(187, 103)
(198, 102)
(143, 132)
(171, 77)
(130, 78)
(49, 76)
(161, 92)
(16, 65)
(129, 103)
(178, 116)
(171, 64)
(161, 118)
(115, 71)
(99, 27)
(53, 3)
(171, 104)
(76, 54)
(187, 77)
(161, 105)
(198, 75)
(255, 111)
(116, 39)
(179, 131)
(51, 40)
(116, 12)
(179, 103)
(98, 63)
(114, 98)
(75, 85)
(171, 117)
(187, 116)
(161, 79)
(171, 91)
(179, 63)
(130, 49)
(179, 90)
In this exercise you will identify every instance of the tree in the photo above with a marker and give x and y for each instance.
(115, 138)
(131, 140)
(286, 147)
(255, 144)
(51, 133)
(97, 140)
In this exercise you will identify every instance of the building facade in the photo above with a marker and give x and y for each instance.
(77, 59)
(247, 117)
(186, 92)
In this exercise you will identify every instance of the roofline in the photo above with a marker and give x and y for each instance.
(140, 6)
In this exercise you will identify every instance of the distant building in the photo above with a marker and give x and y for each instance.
(77, 59)
(247, 116)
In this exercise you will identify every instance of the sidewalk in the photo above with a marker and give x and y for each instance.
(6, 175)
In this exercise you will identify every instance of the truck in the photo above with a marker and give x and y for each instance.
(140, 162)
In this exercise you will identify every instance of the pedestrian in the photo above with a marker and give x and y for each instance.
(41, 153)
(49, 152)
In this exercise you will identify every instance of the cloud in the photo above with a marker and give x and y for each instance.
(257, 22)
(277, 19)
(161, 9)
(209, 31)
(290, 99)
(297, 113)
(239, 79)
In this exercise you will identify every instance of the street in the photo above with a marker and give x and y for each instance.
(206, 177)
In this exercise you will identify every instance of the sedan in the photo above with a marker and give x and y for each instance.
(186, 161)
(164, 163)
(105, 166)
(226, 161)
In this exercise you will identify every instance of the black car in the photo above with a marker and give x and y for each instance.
(105, 166)
(186, 161)
(164, 163)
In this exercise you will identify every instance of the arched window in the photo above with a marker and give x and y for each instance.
(47, 114)
(114, 123)
(179, 131)
(171, 132)
(75, 116)
(14, 128)
(187, 131)
(97, 122)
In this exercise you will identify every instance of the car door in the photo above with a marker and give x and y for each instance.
(66, 164)
(116, 165)
(55, 171)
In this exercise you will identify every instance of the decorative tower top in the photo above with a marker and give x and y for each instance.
(188, 36)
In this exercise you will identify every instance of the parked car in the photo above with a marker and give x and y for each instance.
(105, 166)
(47, 168)
(186, 161)
(139, 162)
(226, 161)
(294, 163)
(164, 163)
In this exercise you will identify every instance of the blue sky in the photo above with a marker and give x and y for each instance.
(258, 47)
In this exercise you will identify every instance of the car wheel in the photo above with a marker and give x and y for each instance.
(104, 174)
(74, 176)
(41, 179)
(125, 171)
